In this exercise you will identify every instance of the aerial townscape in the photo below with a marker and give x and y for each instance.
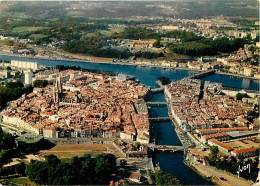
(136, 92)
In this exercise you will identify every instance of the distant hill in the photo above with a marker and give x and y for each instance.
(122, 10)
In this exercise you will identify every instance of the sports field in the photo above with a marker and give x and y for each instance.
(68, 151)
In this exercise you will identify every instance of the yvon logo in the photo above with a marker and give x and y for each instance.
(243, 168)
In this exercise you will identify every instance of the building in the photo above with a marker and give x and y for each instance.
(253, 151)
(247, 71)
(5, 73)
(28, 78)
(125, 77)
(216, 130)
(26, 65)
(223, 147)
(219, 136)
(135, 177)
(49, 132)
(170, 27)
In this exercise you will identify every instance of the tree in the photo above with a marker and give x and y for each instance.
(12, 91)
(213, 153)
(164, 80)
(20, 169)
(137, 144)
(37, 172)
(157, 44)
(105, 166)
(7, 141)
(87, 167)
(242, 95)
(77, 171)
(40, 83)
(8, 68)
(164, 178)
(3, 159)
(123, 163)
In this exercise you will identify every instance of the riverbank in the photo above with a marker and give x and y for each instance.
(236, 75)
(119, 63)
(218, 177)
(87, 61)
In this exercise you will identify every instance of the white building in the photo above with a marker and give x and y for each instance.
(24, 65)
(247, 71)
(28, 78)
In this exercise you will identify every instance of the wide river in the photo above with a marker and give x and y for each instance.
(163, 132)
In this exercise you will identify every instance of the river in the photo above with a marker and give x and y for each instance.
(148, 75)
(163, 132)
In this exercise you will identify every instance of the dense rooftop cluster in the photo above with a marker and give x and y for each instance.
(82, 104)
(195, 109)
(211, 117)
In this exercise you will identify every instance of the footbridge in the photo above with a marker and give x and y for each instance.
(202, 74)
(171, 148)
(160, 119)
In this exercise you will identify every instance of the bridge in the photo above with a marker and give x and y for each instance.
(158, 104)
(171, 148)
(202, 74)
(156, 90)
(159, 119)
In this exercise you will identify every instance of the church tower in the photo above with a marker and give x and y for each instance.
(56, 89)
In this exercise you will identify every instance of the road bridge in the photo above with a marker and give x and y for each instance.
(158, 104)
(156, 90)
(202, 74)
(171, 148)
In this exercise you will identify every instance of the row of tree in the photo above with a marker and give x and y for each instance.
(183, 35)
(94, 47)
(136, 33)
(85, 170)
(7, 141)
(4, 61)
(204, 47)
(7, 144)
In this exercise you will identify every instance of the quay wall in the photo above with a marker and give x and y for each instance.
(62, 141)
(234, 93)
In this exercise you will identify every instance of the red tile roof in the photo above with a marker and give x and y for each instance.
(221, 144)
(252, 149)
